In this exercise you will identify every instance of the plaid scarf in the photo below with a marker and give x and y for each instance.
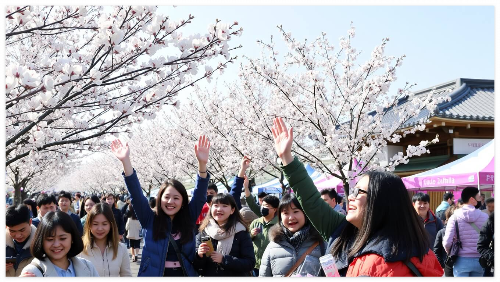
(296, 239)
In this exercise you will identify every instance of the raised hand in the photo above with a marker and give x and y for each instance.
(283, 140)
(246, 185)
(121, 152)
(245, 164)
(202, 149)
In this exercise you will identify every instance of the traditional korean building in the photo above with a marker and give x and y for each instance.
(464, 123)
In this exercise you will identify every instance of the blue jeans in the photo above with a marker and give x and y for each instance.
(467, 267)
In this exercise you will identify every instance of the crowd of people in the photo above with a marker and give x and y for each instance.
(380, 231)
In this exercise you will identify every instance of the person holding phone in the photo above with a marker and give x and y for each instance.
(19, 235)
(169, 241)
(101, 243)
(55, 246)
(231, 253)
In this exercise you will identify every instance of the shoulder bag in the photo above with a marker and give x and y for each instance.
(301, 259)
(455, 247)
(178, 252)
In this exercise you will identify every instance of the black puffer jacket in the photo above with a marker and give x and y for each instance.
(439, 248)
(239, 262)
(485, 237)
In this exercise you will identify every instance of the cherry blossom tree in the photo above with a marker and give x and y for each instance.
(95, 174)
(75, 74)
(221, 115)
(338, 108)
(35, 174)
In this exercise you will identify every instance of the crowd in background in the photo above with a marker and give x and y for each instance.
(378, 231)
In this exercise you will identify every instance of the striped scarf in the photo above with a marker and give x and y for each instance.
(296, 239)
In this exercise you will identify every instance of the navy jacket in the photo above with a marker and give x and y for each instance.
(78, 223)
(119, 220)
(35, 221)
(155, 252)
(433, 225)
(239, 262)
(236, 190)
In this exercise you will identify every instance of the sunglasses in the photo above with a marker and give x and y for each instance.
(358, 191)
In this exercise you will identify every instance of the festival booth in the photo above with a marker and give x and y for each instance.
(476, 169)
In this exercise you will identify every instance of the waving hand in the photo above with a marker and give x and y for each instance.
(283, 140)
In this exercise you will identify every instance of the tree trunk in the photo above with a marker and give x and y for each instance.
(346, 190)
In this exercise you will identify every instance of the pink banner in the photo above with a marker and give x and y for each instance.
(440, 181)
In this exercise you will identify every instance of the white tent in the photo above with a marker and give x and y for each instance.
(476, 169)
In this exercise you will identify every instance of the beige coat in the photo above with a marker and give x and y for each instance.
(105, 265)
(83, 268)
(133, 227)
(10, 243)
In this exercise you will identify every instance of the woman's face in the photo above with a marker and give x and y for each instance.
(221, 212)
(171, 201)
(100, 227)
(89, 204)
(356, 205)
(57, 245)
(293, 218)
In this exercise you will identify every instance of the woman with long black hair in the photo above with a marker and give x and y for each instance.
(383, 235)
(169, 244)
(224, 229)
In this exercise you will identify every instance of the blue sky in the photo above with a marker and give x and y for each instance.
(441, 43)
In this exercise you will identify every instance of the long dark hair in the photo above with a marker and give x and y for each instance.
(225, 199)
(131, 212)
(388, 208)
(182, 220)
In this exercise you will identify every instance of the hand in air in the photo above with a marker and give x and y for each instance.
(202, 149)
(120, 151)
(283, 139)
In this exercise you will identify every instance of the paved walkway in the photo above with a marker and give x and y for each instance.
(134, 266)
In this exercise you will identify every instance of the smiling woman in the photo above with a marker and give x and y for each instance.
(383, 233)
(101, 243)
(225, 229)
(55, 246)
(169, 245)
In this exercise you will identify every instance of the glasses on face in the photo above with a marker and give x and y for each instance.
(358, 191)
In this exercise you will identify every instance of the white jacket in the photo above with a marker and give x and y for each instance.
(105, 265)
(133, 227)
(83, 268)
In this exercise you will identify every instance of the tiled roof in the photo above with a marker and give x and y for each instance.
(471, 99)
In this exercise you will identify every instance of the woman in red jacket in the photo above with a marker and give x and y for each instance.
(383, 236)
